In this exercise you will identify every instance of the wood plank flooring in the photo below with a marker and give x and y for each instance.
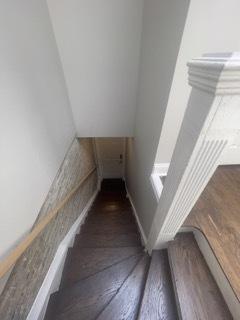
(86, 298)
(105, 271)
(217, 215)
(108, 275)
(158, 300)
(83, 263)
(197, 293)
(126, 303)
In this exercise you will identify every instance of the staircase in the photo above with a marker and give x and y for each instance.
(108, 275)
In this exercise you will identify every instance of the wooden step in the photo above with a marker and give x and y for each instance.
(113, 208)
(123, 215)
(105, 199)
(111, 185)
(104, 228)
(84, 262)
(125, 303)
(197, 294)
(158, 301)
(105, 270)
(110, 220)
(107, 240)
(217, 215)
(87, 298)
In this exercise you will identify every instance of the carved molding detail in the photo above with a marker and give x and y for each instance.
(210, 125)
(204, 164)
(217, 74)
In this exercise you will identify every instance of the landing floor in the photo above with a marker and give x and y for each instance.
(217, 215)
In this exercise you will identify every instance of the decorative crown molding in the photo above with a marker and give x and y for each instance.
(218, 73)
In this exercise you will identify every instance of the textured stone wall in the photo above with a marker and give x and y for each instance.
(29, 272)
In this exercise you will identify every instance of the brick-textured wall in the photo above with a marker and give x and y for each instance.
(30, 270)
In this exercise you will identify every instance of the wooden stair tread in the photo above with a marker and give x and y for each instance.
(84, 262)
(88, 240)
(86, 298)
(104, 255)
(116, 228)
(217, 214)
(107, 275)
(126, 302)
(158, 300)
(120, 212)
(109, 220)
(111, 213)
(78, 311)
(197, 294)
(111, 204)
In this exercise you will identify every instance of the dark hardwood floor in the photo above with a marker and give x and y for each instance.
(105, 271)
(217, 215)
(197, 293)
(125, 304)
(85, 299)
(108, 275)
(83, 263)
(158, 299)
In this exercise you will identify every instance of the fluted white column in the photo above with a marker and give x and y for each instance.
(210, 126)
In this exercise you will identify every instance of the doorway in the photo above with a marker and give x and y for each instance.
(111, 157)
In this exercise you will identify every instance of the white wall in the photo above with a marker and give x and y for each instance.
(36, 126)
(163, 23)
(211, 26)
(99, 47)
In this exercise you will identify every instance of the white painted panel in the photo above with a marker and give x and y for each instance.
(163, 23)
(36, 126)
(99, 43)
(211, 26)
(111, 155)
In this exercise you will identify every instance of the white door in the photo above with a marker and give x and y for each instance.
(111, 155)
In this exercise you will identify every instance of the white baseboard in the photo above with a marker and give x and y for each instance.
(53, 277)
(143, 236)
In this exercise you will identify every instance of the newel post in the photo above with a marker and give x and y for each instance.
(210, 126)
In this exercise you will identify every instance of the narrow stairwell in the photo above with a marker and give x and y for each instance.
(108, 275)
(105, 271)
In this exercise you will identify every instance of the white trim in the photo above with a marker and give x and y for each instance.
(143, 236)
(53, 277)
(211, 124)
(218, 74)
(159, 170)
(156, 185)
